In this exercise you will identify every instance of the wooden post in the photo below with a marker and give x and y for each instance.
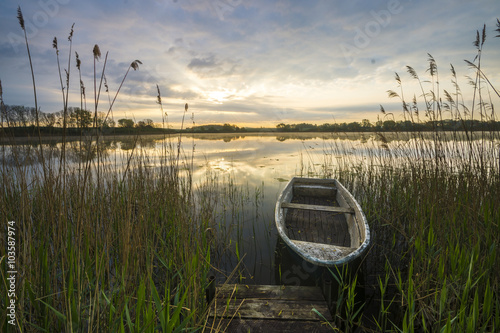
(210, 291)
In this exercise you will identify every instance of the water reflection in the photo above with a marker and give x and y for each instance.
(250, 157)
(259, 165)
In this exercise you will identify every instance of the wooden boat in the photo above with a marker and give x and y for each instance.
(321, 221)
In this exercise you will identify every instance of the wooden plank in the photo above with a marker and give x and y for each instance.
(317, 226)
(315, 190)
(270, 292)
(270, 308)
(265, 326)
(346, 210)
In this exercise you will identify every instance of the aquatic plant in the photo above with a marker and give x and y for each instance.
(105, 246)
(432, 205)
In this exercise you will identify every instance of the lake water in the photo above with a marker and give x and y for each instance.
(251, 170)
(248, 172)
(256, 165)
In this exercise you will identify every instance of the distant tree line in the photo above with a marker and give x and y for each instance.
(22, 116)
(20, 119)
(390, 126)
(216, 128)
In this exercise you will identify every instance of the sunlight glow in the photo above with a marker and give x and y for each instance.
(221, 165)
(220, 96)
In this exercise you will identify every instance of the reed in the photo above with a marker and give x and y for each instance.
(431, 200)
(108, 248)
(125, 247)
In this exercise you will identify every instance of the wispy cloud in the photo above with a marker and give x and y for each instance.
(245, 61)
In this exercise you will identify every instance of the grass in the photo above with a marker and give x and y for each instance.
(432, 202)
(103, 246)
(112, 247)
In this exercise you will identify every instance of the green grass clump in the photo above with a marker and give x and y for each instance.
(125, 253)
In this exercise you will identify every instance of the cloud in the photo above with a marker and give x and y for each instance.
(209, 66)
(260, 61)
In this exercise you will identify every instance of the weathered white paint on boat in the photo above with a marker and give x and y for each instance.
(318, 253)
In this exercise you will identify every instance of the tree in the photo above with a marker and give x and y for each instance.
(354, 126)
(389, 125)
(20, 115)
(80, 118)
(145, 123)
(49, 119)
(283, 127)
(227, 128)
(103, 121)
(365, 123)
(126, 123)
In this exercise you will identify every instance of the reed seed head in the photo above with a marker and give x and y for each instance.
(498, 28)
(448, 97)
(82, 88)
(20, 17)
(432, 65)
(106, 84)
(70, 37)
(186, 107)
(97, 52)
(412, 72)
(484, 35)
(54, 45)
(135, 64)
(398, 79)
(392, 94)
(78, 61)
(453, 72)
(159, 95)
(476, 42)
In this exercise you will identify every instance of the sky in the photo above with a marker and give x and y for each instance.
(251, 63)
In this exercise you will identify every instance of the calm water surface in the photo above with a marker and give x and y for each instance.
(256, 165)
(249, 171)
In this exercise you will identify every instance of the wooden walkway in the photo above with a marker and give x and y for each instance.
(266, 308)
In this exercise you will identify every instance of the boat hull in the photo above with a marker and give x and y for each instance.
(321, 221)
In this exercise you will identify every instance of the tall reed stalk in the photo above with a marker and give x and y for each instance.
(432, 202)
(104, 249)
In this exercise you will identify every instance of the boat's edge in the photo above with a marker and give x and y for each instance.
(279, 214)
